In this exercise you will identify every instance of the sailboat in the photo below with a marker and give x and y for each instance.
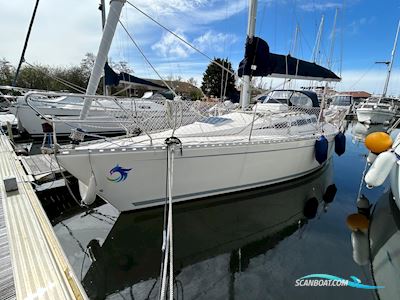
(380, 110)
(238, 150)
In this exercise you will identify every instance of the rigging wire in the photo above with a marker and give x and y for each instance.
(147, 60)
(180, 38)
(362, 76)
(65, 82)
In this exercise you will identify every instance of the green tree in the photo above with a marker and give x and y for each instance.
(212, 78)
(7, 72)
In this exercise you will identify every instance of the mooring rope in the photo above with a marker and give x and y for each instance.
(168, 245)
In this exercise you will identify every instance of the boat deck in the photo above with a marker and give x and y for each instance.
(33, 264)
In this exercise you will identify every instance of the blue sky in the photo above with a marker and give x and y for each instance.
(66, 30)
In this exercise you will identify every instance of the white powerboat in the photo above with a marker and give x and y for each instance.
(376, 111)
(236, 151)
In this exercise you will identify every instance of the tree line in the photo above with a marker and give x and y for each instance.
(216, 82)
(45, 77)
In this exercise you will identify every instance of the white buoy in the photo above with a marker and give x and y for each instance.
(360, 244)
(380, 169)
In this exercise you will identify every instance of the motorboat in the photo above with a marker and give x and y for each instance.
(239, 150)
(376, 111)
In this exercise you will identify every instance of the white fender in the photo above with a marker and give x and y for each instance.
(360, 244)
(371, 157)
(88, 193)
(380, 169)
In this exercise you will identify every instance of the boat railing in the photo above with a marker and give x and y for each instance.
(129, 115)
(151, 116)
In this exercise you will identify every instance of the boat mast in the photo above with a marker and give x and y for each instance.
(22, 59)
(102, 8)
(251, 25)
(296, 34)
(333, 35)
(317, 46)
(101, 58)
(390, 64)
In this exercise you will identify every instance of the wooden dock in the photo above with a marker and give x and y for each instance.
(32, 262)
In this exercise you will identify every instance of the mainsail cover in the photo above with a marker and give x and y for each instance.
(113, 79)
(258, 61)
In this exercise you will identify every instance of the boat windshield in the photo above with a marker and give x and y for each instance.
(341, 100)
(283, 97)
(276, 97)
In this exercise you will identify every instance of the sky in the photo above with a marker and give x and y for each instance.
(65, 30)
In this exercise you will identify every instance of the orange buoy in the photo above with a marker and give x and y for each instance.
(357, 222)
(378, 142)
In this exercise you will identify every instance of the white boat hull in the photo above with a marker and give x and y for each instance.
(31, 122)
(200, 171)
(374, 116)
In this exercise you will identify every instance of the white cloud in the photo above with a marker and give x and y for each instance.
(56, 38)
(356, 25)
(215, 41)
(169, 45)
(190, 12)
(319, 6)
(65, 30)
(210, 41)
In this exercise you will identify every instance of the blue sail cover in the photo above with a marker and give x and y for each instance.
(266, 63)
(113, 79)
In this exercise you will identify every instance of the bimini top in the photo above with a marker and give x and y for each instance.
(301, 98)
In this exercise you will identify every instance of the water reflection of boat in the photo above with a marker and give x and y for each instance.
(360, 130)
(226, 231)
(382, 250)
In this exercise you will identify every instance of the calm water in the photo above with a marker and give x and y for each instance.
(250, 245)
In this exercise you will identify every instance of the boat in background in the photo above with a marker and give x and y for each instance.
(383, 109)
(53, 106)
(342, 102)
(377, 111)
